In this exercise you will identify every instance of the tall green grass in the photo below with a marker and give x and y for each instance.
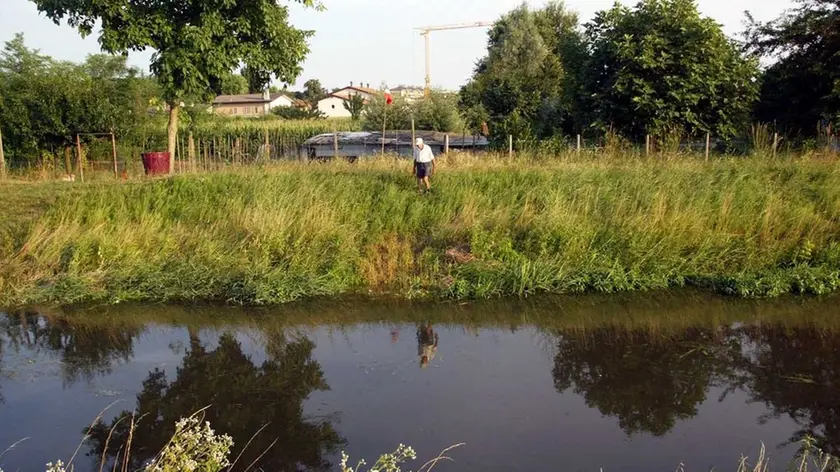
(493, 227)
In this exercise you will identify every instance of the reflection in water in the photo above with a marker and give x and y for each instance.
(427, 343)
(795, 373)
(647, 379)
(84, 350)
(242, 398)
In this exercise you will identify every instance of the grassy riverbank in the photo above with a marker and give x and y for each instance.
(748, 227)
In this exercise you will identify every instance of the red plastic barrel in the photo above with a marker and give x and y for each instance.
(156, 163)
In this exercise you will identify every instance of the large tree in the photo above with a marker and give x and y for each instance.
(802, 86)
(661, 65)
(196, 43)
(313, 91)
(526, 84)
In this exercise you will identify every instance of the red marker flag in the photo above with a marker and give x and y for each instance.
(388, 98)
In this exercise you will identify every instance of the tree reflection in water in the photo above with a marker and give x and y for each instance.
(242, 398)
(84, 350)
(649, 381)
(795, 372)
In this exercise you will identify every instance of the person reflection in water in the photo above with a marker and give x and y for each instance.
(427, 342)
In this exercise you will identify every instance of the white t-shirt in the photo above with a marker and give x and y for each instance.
(423, 155)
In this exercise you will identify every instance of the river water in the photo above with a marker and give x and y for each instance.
(620, 383)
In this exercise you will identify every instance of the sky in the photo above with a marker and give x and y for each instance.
(372, 41)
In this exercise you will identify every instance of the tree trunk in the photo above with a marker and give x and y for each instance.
(68, 162)
(174, 108)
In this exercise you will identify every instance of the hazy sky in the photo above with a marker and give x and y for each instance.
(372, 40)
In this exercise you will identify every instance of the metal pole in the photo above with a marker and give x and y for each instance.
(510, 145)
(446, 144)
(578, 143)
(776, 143)
(708, 143)
(384, 120)
(428, 64)
(335, 143)
(80, 159)
(413, 135)
(114, 154)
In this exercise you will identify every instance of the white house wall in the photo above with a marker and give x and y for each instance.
(279, 102)
(333, 107)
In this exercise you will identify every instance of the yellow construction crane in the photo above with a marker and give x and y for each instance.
(425, 32)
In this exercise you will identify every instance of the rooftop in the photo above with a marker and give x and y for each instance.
(253, 98)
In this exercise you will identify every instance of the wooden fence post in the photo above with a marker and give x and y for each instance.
(191, 151)
(708, 143)
(80, 158)
(510, 145)
(2, 158)
(446, 144)
(578, 143)
(776, 143)
(413, 138)
(335, 143)
(647, 145)
(114, 155)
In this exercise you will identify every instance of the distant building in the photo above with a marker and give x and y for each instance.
(409, 92)
(253, 104)
(333, 105)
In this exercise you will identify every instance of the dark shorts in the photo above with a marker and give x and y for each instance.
(423, 169)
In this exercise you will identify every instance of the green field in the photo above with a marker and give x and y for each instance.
(493, 227)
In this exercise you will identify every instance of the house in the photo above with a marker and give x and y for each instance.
(408, 92)
(333, 105)
(252, 104)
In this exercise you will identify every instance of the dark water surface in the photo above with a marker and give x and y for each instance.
(589, 383)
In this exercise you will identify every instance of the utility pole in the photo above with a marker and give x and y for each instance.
(426, 33)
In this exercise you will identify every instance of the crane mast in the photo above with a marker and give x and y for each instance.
(426, 33)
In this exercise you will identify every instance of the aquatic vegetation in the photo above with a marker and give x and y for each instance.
(495, 226)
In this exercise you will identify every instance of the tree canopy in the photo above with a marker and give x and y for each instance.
(661, 65)
(195, 44)
(526, 83)
(44, 102)
(802, 86)
(437, 112)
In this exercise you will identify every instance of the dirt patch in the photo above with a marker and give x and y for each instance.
(459, 254)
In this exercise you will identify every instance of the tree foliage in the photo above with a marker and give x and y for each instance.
(661, 65)
(295, 113)
(232, 84)
(44, 102)
(355, 105)
(803, 85)
(196, 44)
(313, 91)
(438, 112)
(526, 84)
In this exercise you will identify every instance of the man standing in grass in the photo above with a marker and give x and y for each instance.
(424, 165)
